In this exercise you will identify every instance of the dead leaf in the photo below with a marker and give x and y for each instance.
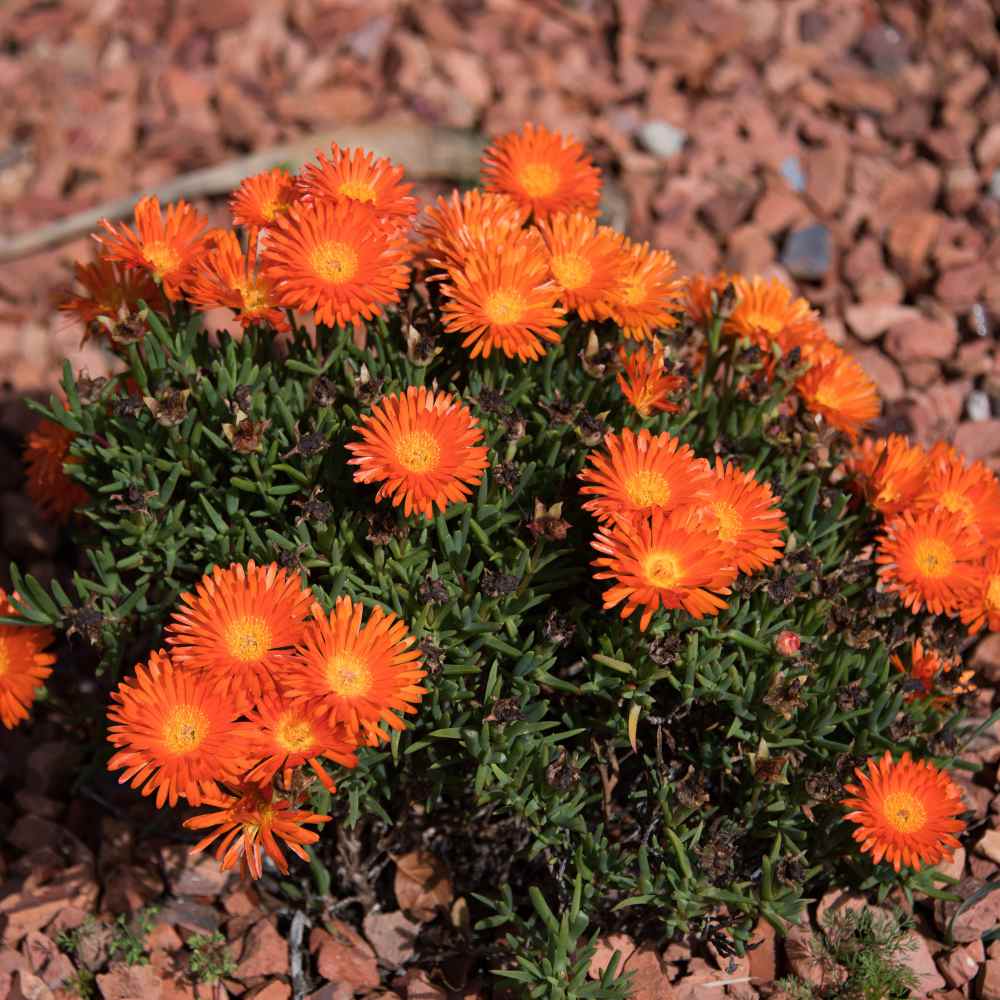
(393, 936)
(422, 884)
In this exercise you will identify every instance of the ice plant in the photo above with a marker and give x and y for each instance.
(166, 248)
(930, 560)
(980, 608)
(890, 472)
(661, 563)
(454, 227)
(260, 199)
(969, 491)
(837, 388)
(356, 672)
(24, 664)
(173, 733)
(109, 291)
(637, 474)
(251, 823)
(645, 381)
(503, 299)
(545, 171)
(334, 259)
(647, 295)
(45, 456)
(926, 669)
(906, 812)
(238, 628)
(422, 447)
(768, 316)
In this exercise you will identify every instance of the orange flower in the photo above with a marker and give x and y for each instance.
(238, 628)
(586, 262)
(329, 257)
(503, 299)
(226, 276)
(646, 297)
(174, 733)
(646, 383)
(659, 562)
(982, 606)
(637, 474)
(45, 455)
(745, 517)
(23, 665)
(260, 199)
(280, 736)
(455, 227)
(905, 811)
(358, 674)
(544, 171)
(838, 389)
(703, 291)
(250, 820)
(969, 491)
(423, 447)
(891, 472)
(926, 671)
(110, 291)
(931, 560)
(356, 176)
(766, 314)
(167, 249)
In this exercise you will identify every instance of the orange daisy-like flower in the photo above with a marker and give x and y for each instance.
(423, 447)
(226, 276)
(645, 381)
(280, 736)
(586, 262)
(328, 256)
(744, 514)
(165, 248)
(660, 562)
(931, 560)
(545, 171)
(891, 472)
(838, 389)
(646, 296)
(503, 299)
(926, 669)
(905, 811)
(239, 627)
(702, 293)
(23, 665)
(109, 291)
(260, 199)
(358, 673)
(637, 474)
(457, 226)
(356, 176)
(969, 491)
(982, 606)
(252, 822)
(174, 733)
(46, 454)
(766, 314)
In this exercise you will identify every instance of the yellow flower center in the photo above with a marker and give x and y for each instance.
(648, 488)
(185, 728)
(992, 602)
(348, 675)
(255, 298)
(358, 191)
(161, 258)
(418, 451)
(294, 734)
(248, 638)
(662, 569)
(504, 307)
(4, 658)
(633, 290)
(571, 270)
(934, 557)
(334, 261)
(957, 503)
(767, 322)
(539, 180)
(272, 209)
(729, 520)
(904, 812)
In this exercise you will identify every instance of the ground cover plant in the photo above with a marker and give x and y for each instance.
(492, 535)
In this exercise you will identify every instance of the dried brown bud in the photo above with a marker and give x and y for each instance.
(89, 389)
(432, 591)
(169, 406)
(562, 773)
(497, 584)
(505, 710)
(506, 475)
(558, 629)
(324, 392)
(243, 396)
(548, 522)
(433, 655)
(247, 436)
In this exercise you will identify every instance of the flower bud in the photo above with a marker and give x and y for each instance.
(788, 643)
